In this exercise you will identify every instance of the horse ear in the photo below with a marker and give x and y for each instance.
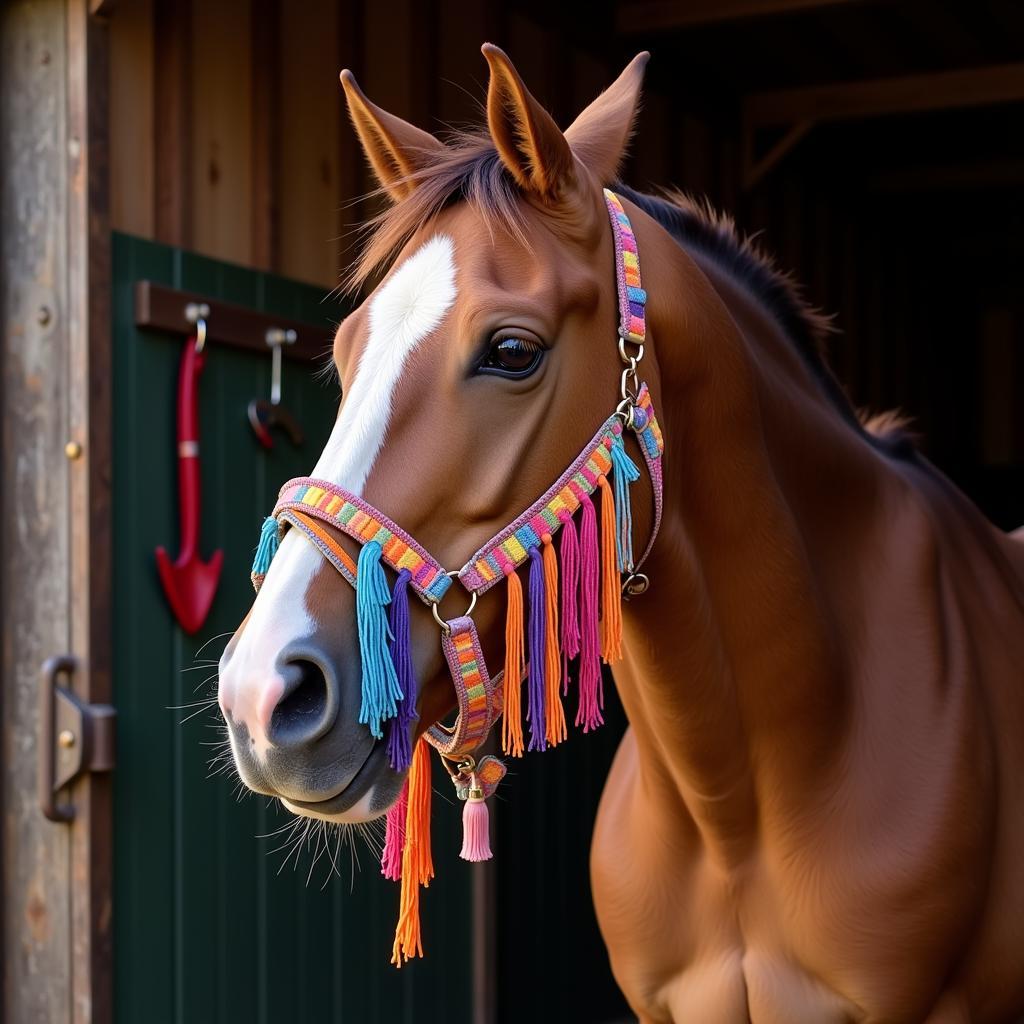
(395, 148)
(528, 141)
(600, 135)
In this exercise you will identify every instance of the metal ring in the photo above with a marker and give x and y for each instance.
(636, 584)
(627, 413)
(627, 373)
(200, 334)
(622, 349)
(445, 628)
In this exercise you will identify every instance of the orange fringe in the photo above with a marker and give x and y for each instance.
(554, 715)
(417, 861)
(611, 588)
(512, 721)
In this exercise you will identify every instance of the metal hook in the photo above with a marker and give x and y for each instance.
(276, 337)
(196, 314)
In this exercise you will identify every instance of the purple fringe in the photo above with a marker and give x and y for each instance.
(591, 696)
(536, 714)
(399, 727)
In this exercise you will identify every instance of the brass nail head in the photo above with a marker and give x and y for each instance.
(66, 738)
(73, 450)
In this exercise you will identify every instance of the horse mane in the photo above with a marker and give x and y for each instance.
(469, 169)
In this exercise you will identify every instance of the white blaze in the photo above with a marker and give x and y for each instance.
(407, 308)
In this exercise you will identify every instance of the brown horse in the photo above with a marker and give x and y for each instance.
(817, 812)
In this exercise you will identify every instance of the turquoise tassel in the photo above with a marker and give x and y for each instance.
(380, 680)
(265, 551)
(626, 473)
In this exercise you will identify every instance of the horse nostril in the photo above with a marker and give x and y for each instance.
(304, 712)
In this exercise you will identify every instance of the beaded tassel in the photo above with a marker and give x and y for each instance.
(380, 690)
(611, 591)
(626, 472)
(394, 836)
(554, 714)
(588, 713)
(512, 722)
(417, 862)
(265, 551)
(538, 656)
(570, 551)
(399, 727)
(476, 832)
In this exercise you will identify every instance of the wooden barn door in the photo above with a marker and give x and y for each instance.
(213, 924)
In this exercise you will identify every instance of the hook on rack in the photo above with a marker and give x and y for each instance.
(264, 415)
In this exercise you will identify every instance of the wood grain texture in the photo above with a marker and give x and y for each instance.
(89, 516)
(34, 542)
(221, 170)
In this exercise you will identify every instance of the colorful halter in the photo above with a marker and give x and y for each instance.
(574, 609)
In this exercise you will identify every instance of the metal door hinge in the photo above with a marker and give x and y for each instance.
(74, 737)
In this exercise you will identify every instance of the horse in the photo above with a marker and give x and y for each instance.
(815, 813)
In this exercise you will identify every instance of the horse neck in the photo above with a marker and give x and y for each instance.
(734, 680)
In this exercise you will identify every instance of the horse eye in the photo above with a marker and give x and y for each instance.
(514, 354)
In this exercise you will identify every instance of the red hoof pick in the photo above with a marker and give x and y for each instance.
(188, 581)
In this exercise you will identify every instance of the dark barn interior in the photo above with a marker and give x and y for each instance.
(873, 146)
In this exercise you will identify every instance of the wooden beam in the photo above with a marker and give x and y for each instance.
(661, 15)
(943, 90)
(160, 308)
(265, 72)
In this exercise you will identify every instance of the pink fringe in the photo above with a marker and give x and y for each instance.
(394, 837)
(570, 572)
(591, 689)
(476, 832)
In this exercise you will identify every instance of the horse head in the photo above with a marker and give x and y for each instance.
(472, 374)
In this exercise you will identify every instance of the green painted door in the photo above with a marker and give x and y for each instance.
(212, 924)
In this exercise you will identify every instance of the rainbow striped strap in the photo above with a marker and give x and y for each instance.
(632, 297)
(479, 696)
(545, 516)
(362, 522)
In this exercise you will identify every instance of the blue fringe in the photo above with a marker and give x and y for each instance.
(626, 473)
(380, 681)
(267, 547)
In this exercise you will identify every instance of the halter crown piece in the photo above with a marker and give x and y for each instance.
(573, 609)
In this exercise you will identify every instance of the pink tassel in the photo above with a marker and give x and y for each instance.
(591, 696)
(476, 831)
(570, 552)
(394, 837)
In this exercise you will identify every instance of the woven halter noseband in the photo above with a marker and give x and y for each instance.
(574, 604)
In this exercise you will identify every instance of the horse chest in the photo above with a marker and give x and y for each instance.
(690, 939)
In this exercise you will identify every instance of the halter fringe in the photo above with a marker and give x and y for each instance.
(417, 862)
(265, 551)
(611, 589)
(554, 714)
(394, 837)
(570, 552)
(588, 713)
(380, 687)
(398, 728)
(512, 722)
(626, 472)
(537, 634)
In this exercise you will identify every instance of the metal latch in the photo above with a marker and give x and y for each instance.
(75, 737)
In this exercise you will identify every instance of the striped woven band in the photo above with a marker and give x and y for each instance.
(632, 297)
(362, 522)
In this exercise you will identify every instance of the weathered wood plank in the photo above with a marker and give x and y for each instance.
(308, 144)
(172, 136)
(34, 582)
(132, 110)
(222, 130)
(89, 509)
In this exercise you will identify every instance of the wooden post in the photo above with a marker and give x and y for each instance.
(54, 531)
